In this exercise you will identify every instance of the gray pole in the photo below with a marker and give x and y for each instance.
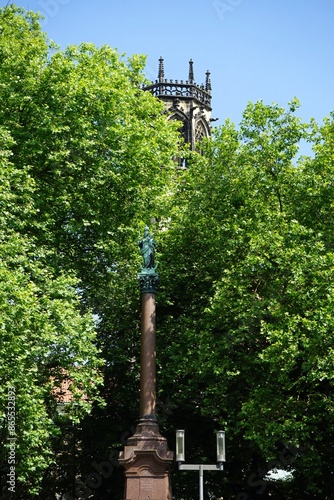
(201, 468)
(201, 483)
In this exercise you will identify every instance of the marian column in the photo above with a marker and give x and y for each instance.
(146, 458)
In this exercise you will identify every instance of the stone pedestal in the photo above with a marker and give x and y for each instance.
(146, 460)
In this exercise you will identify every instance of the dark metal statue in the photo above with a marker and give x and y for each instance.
(147, 246)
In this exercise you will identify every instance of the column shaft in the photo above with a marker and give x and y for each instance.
(148, 357)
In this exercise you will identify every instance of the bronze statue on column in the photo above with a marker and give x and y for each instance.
(146, 458)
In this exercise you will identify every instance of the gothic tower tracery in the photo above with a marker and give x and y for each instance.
(187, 102)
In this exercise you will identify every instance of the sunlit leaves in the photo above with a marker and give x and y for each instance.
(86, 158)
(255, 266)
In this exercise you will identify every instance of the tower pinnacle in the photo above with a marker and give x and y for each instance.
(191, 72)
(208, 82)
(161, 74)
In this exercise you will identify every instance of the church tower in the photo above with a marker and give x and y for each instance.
(187, 102)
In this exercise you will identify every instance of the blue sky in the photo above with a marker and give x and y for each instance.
(255, 49)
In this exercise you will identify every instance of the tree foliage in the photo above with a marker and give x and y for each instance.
(245, 257)
(84, 155)
(248, 299)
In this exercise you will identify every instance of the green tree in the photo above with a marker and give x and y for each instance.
(90, 160)
(44, 335)
(248, 299)
(245, 259)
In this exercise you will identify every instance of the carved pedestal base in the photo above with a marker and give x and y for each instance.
(146, 460)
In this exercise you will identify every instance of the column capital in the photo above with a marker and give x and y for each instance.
(148, 281)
